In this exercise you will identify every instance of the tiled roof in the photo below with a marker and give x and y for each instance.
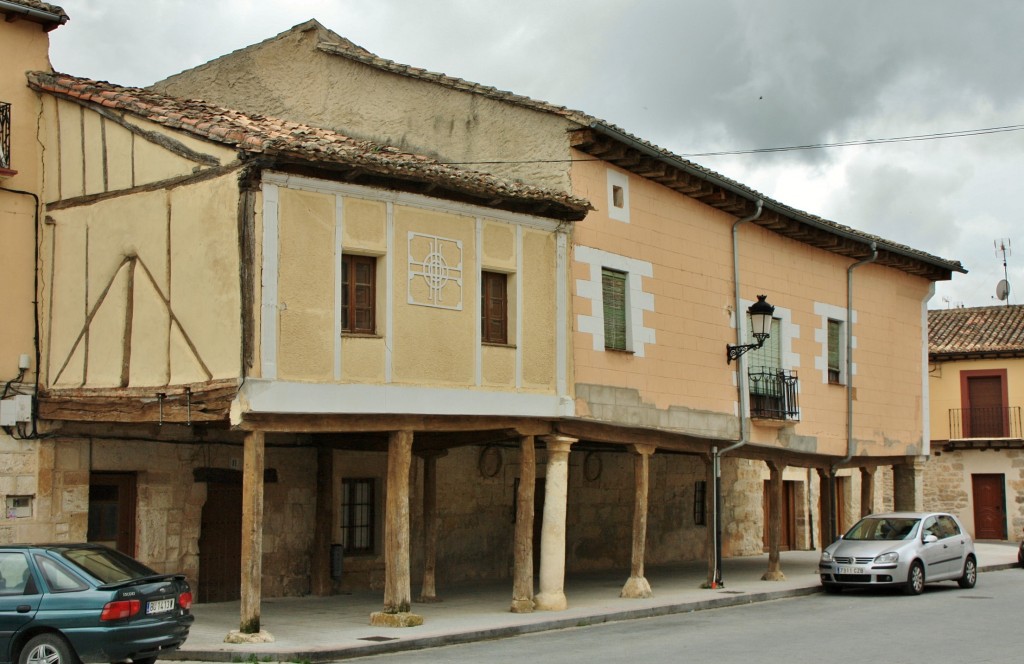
(292, 141)
(22, 7)
(977, 331)
(343, 47)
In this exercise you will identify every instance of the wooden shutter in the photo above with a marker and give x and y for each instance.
(358, 294)
(613, 284)
(494, 308)
(834, 339)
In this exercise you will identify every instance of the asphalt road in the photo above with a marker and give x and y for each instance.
(945, 624)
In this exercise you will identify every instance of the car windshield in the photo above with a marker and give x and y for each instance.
(107, 565)
(883, 528)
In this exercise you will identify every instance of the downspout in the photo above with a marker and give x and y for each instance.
(716, 454)
(849, 388)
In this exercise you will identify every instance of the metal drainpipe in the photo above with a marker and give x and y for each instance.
(849, 389)
(716, 454)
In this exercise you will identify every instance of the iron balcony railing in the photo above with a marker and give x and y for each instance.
(990, 422)
(5, 135)
(774, 394)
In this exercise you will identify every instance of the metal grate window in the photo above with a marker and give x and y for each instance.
(5, 135)
(358, 515)
(358, 294)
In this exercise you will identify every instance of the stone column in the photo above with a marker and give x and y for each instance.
(637, 585)
(397, 587)
(429, 592)
(826, 508)
(321, 583)
(775, 517)
(552, 541)
(522, 565)
(252, 542)
(908, 485)
(867, 490)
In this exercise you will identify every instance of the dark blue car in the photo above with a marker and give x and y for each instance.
(65, 603)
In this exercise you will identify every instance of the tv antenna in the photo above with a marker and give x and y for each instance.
(1002, 247)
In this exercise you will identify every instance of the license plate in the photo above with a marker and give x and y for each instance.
(159, 606)
(845, 569)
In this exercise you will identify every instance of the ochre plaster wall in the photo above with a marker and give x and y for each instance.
(682, 381)
(288, 77)
(944, 382)
(186, 246)
(430, 345)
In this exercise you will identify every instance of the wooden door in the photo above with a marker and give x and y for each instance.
(112, 498)
(220, 544)
(989, 506)
(986, 417)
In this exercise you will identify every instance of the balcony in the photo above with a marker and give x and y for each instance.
(774, 394)
(984, 428)
(5, 139)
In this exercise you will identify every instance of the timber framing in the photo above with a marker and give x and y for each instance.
(204, 402)
(630, 154)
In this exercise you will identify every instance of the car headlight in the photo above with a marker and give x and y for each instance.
(826, 557)
(890, 557)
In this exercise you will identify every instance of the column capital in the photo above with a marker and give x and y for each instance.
(640, 448)
(558, 442)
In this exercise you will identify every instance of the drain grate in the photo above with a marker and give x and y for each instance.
(378, 638)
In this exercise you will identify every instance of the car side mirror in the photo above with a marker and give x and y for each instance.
(928, 539)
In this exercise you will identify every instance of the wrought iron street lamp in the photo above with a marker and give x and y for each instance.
(760, 326)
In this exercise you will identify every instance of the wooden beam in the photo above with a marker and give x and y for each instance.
(367, 423)
(195, 402)
(252, 533)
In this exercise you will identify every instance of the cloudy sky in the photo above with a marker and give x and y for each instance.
(697, 77)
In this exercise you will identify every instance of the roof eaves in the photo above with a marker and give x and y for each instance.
(50, 16)
(743, 191)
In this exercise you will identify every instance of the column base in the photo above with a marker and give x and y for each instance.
(402, 619)
(429, 599)
(773, 575)
(235, 636)
(522, 606)
(636, 587)
(552, 601)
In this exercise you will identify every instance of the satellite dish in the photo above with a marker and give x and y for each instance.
(1003, 289)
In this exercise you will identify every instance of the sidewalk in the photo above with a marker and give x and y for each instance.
(337, 627)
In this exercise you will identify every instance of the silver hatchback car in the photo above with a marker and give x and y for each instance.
(906, 549)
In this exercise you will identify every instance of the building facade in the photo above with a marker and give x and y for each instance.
(976, 372)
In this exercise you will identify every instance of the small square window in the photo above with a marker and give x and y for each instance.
(19, 507)
(618, 196)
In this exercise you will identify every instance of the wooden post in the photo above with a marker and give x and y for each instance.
(522, 565)
(397, 588)
(429, 591)
(775, 517)
(252, 532)
(552, 542)
(321, 581)
(867, 490)
(637, 585)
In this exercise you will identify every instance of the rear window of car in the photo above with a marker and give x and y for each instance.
(107, 565)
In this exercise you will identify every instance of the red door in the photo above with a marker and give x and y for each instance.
(989, 507)
(986, 415)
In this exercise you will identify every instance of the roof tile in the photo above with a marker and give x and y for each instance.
(976, 330)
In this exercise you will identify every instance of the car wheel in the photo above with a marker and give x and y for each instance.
(47, 649)
(915, 579)
(970, 576)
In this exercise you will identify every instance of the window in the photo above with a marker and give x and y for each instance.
(613, 293)
(358, 515)
(358, 294)
(700, 503)
(618, 196)
(494, 307)
(5, 136)
(59, 578)
(14, 574)
(835, 336)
